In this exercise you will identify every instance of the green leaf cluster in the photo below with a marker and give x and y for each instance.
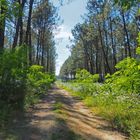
(38, 80)
(127, 78)
(85, 77)
(126, 4)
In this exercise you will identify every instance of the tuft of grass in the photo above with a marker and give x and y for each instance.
(58, 109)
(89, 101)
(57, 106)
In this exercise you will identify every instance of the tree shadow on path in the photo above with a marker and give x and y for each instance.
(43, 123)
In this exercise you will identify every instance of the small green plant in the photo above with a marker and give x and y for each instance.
(57, 106)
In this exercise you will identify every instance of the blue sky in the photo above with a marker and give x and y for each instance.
(71, 15)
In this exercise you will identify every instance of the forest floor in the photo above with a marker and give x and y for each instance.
(59, 116)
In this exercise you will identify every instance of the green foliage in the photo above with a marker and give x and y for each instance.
(138, 50)
(126, 4)
(85, 77)
(13, 75)
(128, 76)
(20, 85)
(10, 9)
(38, 82)
(57, 106)
(138, 41)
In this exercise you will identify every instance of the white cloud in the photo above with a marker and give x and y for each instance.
(62, 32)
(62, 35)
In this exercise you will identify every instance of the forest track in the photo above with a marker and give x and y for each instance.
(59, 116)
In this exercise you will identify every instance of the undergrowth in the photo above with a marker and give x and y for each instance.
(117, 99)
(20, 84)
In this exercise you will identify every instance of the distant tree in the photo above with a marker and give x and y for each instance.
(107, 36)
(3, 15)
(19, 23)
(44, 20)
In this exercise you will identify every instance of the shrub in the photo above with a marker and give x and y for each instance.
(13, 70)
(85, 77)
(20, 84)
(37, 79)
(38, 82)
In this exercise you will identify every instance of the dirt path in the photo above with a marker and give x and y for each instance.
(59, 116)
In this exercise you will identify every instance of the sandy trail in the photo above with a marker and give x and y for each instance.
(59, 116)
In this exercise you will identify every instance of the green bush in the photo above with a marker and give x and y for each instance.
(127, 78)
(37, 79)
(38, 82)
(13, 71)
(85, 77)
(20, 84)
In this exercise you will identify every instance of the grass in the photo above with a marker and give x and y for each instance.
(122, 113)
(57, 106)
(58, 109)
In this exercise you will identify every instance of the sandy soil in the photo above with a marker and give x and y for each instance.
(59, 116)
